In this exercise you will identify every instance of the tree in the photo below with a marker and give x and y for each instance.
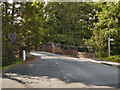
(32, 26)
(106, 26)
(28, 30)
(9, 18)
(68, 22)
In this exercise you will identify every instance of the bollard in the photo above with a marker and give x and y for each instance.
(24, 55)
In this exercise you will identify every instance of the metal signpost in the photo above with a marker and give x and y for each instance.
(12, 38)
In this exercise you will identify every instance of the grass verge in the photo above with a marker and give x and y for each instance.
(115, 58)
(12, 64)
(29, 59)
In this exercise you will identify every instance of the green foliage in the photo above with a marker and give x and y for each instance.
(8, 25)
(26, 21)
(106, 25)
(32, 26)
(115, 58)
(67, 23)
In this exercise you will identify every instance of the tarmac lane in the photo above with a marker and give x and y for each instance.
(57, 71)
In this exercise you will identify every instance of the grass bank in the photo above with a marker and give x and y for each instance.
(19, 61)
(115, 58)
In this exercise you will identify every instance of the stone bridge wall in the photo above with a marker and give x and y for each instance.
(60, 49)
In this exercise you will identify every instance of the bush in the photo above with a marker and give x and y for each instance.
(115, 58)
(6, 53)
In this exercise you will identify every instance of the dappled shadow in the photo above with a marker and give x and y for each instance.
(12, 78)
(66, 70)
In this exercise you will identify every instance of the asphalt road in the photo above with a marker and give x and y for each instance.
(57, 71)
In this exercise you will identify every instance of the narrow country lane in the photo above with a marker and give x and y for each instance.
(57, 71)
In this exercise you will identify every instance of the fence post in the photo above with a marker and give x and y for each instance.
(108, 46)
(24, 55)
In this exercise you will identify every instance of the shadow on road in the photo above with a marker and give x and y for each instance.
(68, 71)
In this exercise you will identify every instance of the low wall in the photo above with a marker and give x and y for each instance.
(85, 55)
(57, 48)
(60, 49)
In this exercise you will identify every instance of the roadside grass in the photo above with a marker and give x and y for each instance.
(12, 64)
(19, 61)
(115, 58)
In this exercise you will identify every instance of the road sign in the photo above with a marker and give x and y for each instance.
(12, 37)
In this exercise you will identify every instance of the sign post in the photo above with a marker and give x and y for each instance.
(12, 38)
(109, 45)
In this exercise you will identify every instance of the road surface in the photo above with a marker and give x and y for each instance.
(57, 71)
